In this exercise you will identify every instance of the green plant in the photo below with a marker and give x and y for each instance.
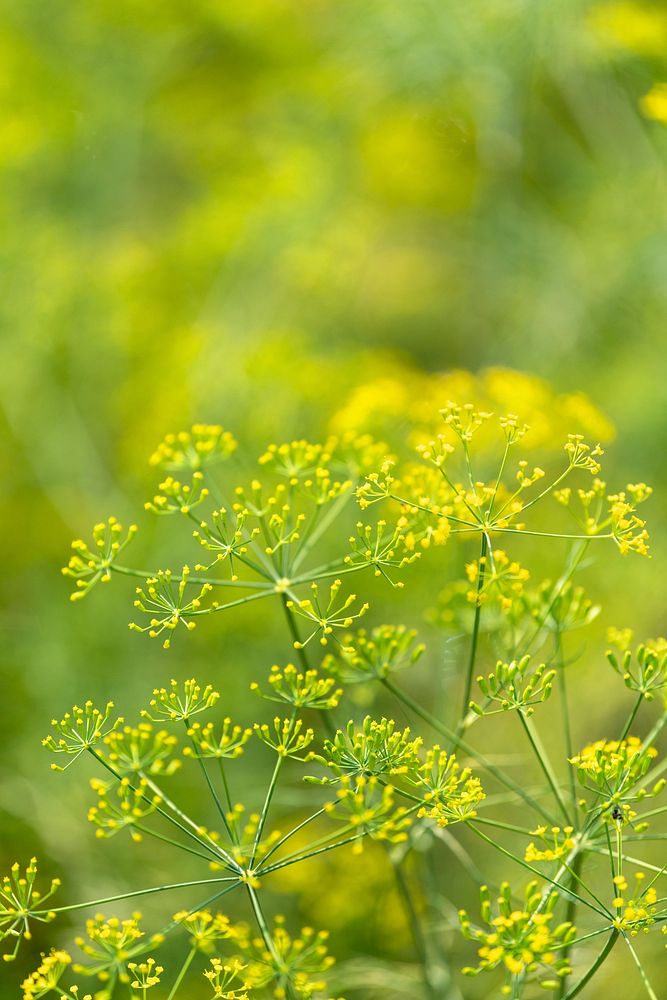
(369, 779)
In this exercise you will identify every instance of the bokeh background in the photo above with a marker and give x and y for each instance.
(243, 212)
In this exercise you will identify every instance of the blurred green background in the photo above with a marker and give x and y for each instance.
(239, 212)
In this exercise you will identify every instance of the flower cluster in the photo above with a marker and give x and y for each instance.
(557, 844)
(516, 685)
(449, 794)
(21, 903)
(520, 938)
(374, 654)
(88, 566)
(202, 445)
(300, 689)
(648, 674)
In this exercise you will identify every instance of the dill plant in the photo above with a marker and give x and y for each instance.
(556, 917)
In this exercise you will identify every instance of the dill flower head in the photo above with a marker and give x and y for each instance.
(176, 497)
(179, 702)
(201, 446)
(205, 928)
(369, 808)
(377, 748)
(641, 910)
(382, 548)
(374, 654)
(450, 794)
(110, 944)
(557, 844)
(519, 937)
(122, 806)
(21, 903)
(287, 736)
(610, 763)
(80, 730)
(169, 605)
(47, 975)
(227, 979)
(293, 965)
(302, 690)
(144, 975)
(646, 672)
(227, 742)
(516, 685)
(324, 619)
(89, 565)
(142, 748)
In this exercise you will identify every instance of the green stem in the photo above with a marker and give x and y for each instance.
(578, 987)
(181, 975)
(649, 989)
(543, 761)
(137, 892)
(414, 923)
(467, 691)
(570, 914)
(631, 717)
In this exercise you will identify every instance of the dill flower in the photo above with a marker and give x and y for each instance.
(179, 706)
(110, 944)
(227, 537)
(130, 804)
(375, 654)
(615, 762)
(450, 795)
(168, 605)
(520, 939)
(175, 497)
(287, 738)
(141, 748)
(201, 446)
(80, 730)
(47, 975)
(324, 619)
(377, 749)
(302, 690)
(294, 964)
(369, 808)
(205, 928)
(227, 980)
(382, 549)
(88, 566)
(516, 685)
(21, 904)
(145, 974)
(648, 675)
(503, 579)
(641, 911)
(227, 745)
(558, 843)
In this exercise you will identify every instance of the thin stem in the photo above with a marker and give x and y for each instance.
(543, 761)
(415, 925)
(570, 914)
(578, 987)
(631, 717)
(137, 892)
(181, 975)
(642, 972)
(475, 635)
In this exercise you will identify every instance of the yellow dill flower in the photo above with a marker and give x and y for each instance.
(21, 903)
(202, 445)
(47, 976)
(301, 689)
(557, 844)
(88, 566)
(520, 938)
